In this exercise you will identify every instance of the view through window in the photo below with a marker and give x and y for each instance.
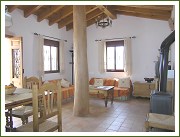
(51, 56)
(114, 56)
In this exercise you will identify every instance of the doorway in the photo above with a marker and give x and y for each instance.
(12, 62)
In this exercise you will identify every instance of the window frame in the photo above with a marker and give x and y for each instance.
(52, 43)
(114, 44)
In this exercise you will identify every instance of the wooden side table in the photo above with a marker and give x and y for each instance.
(143, 89)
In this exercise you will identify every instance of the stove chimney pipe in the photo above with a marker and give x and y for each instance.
(163, 68)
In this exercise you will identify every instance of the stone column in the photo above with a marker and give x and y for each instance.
(81, 95)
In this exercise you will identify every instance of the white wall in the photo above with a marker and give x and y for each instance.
(25, 27)
(149, 36)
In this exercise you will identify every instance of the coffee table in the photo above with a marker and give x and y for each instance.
(106, 90)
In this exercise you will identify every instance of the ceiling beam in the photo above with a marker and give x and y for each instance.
(31, 10)
(90, 8)
(51, 10)
(11, 8)
(160, 7)
(66, 11)
(89, 17)
(65, 21)
(107, 11)
(69, 26)
(68, 21)
(142, 15)
(143, 10)
(93, 14)
(92, 20)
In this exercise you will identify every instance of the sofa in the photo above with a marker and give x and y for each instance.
(67, 91)
(122, 91)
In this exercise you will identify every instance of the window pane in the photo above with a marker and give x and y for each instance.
(46, 58)
(54, 58)
(119, 57)
(110, 58)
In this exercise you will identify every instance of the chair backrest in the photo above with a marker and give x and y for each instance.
(30, 81)
(46, 94)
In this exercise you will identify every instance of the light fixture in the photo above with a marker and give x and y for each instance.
(103, 21)
(8, 18)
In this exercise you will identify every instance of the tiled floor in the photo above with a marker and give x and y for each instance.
(122, 116)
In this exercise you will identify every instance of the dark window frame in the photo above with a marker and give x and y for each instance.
(52, 43)
(114, 44)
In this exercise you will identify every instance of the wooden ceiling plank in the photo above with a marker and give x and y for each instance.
(11, 8)
(90, 18)
(160, 7)
(90, 8)
(69, 26)
(107, 11)
(143, 10)
(93, 14)
(150, 16)
(65, 21)
(49, 12)
(68, 10)
(69, 20)
(31, 10)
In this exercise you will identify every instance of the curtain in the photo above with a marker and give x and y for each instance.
(127, 56)
(102, 56)
(61, 48)
(38, 59)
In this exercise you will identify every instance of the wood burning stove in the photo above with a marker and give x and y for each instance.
(161, 102)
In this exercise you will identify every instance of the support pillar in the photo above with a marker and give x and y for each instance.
(81, 95)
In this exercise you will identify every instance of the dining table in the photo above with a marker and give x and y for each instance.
(21, 96)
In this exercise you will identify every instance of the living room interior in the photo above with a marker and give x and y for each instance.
(145, 35)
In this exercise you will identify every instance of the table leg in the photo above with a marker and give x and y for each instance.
(106, 94)
(9, 121)
(112, 96)
(106, 101)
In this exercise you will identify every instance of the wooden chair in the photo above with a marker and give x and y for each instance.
(24, 112)
(49, 110)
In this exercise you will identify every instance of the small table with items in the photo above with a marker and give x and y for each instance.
(106, 90)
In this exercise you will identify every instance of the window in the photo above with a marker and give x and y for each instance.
(114, 56)
(51, 56)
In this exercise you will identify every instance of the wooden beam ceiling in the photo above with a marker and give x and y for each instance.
(11, 8)
(143, 12)
(50, 11)
(31, 10)
(63, 14)
(107, 11)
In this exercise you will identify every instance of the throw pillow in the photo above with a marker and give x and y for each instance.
(65, 83)
(124, 82)
(98, 82)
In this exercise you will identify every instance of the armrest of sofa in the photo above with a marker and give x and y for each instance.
(67, 92)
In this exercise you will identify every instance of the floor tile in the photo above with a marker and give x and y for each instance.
(122, 116)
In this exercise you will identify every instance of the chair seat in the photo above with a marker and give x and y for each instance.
(160, 121)
(22, 111)
(46, 126)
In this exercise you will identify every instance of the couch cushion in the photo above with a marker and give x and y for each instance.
(109, 82)
(98, 82)
(65, 83)
(54, 81)
(124, 82)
